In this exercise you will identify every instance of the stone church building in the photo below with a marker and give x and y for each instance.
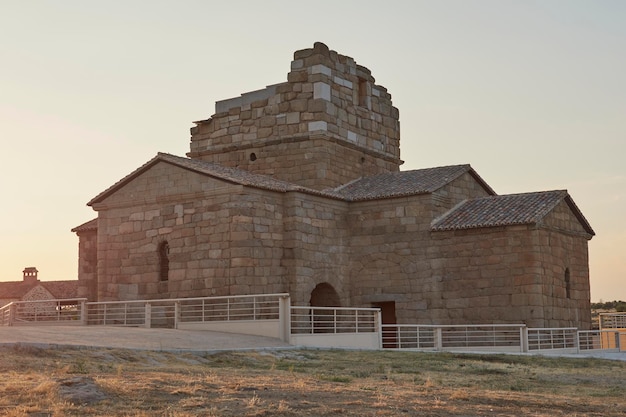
(297, 188)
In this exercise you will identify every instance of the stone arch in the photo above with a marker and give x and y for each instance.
(325, 295)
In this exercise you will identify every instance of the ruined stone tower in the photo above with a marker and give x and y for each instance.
(327, 125)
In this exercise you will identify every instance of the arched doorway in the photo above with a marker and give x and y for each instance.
(324, 320)
(324, 295)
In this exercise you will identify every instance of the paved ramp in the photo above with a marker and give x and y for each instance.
(134, 338)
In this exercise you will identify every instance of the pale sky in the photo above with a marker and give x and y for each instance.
(532, 94)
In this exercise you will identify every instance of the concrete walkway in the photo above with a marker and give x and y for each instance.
(175, 340)
(134, 338)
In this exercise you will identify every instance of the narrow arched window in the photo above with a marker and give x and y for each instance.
(164, 261)
(567, 284)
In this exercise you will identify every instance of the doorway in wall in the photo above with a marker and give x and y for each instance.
(388, 316)
(324, 295)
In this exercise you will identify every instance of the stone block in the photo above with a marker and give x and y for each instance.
(321, 91)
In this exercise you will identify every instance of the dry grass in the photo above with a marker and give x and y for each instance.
(115, 382)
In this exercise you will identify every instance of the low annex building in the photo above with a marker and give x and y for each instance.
(30, 288)
(297, 188)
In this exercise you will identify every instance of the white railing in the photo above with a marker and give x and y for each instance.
(312, 320)
(40, 312)
(335, 327)
(607, 340)
(612, 321)
(484, 337)
(5, 315)
(118, 313)
(554, 339)
(171, 313)
(272, 315)
(230, 308)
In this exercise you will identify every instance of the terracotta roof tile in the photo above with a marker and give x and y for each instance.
(380, 186)
(396, 184)
(90, 225)
(62, 289)
(505, 210)
(234, 175)
(16, 290)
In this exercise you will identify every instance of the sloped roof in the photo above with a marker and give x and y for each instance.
(61, 289)
(90, 225)
(506, 210)
(394, 184)
(232, 175)
(16, 290)
(403, 183)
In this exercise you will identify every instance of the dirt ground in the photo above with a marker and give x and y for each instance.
(117, 382)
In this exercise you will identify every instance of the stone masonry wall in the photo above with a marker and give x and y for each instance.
(392, 253)
(488, 275)
(327, 125)
(564, 247)
(88, 265)
(316, 247)
(512, 274)
(388, 243)
(220, 241)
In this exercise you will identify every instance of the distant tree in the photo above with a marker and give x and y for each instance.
(619, 306)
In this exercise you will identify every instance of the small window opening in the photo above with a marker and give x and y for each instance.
(567, 284)
(362, 160)
(253, 157)
(164, 261)
(363, 96)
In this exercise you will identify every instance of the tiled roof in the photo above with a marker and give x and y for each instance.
(505, 210)
(62, 289)
(15, 290)
(402, 183)
(233, 175)
(394, 184)
(90, 225)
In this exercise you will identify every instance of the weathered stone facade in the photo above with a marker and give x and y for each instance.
(296, 188)
(327, 125)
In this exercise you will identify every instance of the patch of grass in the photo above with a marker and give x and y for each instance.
(335, 378)
(310, 383)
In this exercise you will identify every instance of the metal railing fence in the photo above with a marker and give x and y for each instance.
(563, 338)
(168, 313)
(612, 321)
(608, 340)
(315, 320)
(5, 315)
(490, 337)
(40, 312)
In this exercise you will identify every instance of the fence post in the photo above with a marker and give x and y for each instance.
(379, 324)
(12, 309)
(177, 313)
(284, 318)
(524, 338)
(148, 316)
(83, 312)
(438, 339)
